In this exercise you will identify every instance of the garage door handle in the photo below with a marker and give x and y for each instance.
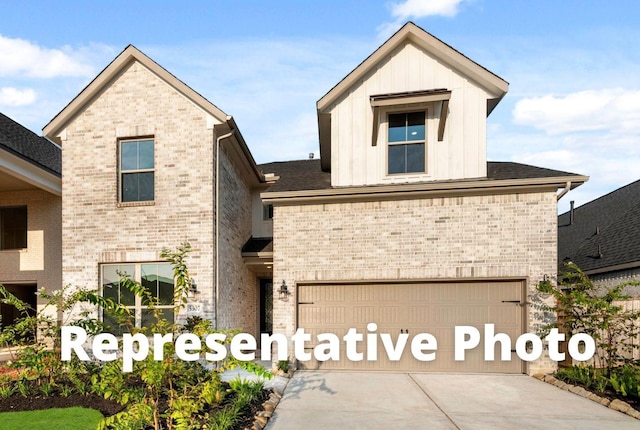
(515, 302)
(306, 303)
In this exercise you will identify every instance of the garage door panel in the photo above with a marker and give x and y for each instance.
(434, 308)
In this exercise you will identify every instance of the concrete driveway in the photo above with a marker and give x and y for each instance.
(376, 400)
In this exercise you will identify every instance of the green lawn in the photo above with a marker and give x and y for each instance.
(75, 418)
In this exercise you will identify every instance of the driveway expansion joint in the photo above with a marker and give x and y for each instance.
(433, 401)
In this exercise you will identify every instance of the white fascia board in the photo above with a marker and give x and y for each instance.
(29, 173)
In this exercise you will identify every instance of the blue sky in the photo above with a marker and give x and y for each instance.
(573, 67)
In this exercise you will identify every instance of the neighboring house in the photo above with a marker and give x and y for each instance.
(602, 237)
(30, 215)
(403, 222)
(149, 163)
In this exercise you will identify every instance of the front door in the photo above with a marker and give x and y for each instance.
(266, 306)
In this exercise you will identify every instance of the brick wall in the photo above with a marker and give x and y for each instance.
(238, 285)
(511, 235)
(98, 230)
(41, 261)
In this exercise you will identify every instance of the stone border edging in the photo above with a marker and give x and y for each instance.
(262, 417)
(615, 404)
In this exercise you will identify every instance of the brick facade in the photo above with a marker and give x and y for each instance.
(492, 237)
(40, 263)
(97, 229)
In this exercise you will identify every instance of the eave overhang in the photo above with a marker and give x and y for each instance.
(615, 268)
(421, 190)
(240, 151)
(27, 172)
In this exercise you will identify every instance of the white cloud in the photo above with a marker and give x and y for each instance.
(613, 109)
(24, 58)
(14, 97)
(420, 8)
(415, 9)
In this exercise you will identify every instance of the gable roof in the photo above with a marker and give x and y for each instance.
(444, 52)
(305, 178)
(25, 144)
(492, 83)
(104, 78)
(123, 60)
(605, 233)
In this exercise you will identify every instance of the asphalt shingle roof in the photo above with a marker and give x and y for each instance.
(23, 143)
(307, 175)
(605, 232)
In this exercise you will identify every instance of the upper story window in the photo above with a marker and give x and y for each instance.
(406, 143)
(13, 227)
(137, 170)
(157, 278)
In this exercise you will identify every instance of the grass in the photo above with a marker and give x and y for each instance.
(75, 418)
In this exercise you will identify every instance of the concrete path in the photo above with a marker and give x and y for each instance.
(377, 400)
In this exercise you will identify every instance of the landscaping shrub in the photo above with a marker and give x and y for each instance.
(166, 394)
(584, 307)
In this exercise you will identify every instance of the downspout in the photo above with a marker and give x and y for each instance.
(217, 226)
(567, 187)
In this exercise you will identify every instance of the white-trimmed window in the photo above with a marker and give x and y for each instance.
(157, 278)
(137, 170)
(406, 142)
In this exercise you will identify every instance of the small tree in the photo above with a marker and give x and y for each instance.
(583, 307)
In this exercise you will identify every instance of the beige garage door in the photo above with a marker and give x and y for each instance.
(434, 308)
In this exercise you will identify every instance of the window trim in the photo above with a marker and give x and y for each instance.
(405, 110)
(138, 306)
(26, 227)
(122, 172)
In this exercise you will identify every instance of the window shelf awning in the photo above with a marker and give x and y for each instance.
(441, 95)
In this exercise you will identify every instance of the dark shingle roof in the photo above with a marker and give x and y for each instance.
(605, 231)
(297, 175)
(23, 143)
(307, 175)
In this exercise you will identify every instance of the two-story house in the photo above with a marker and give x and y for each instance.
(30, 215)
(403, 222)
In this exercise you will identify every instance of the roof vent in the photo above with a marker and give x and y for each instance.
(571, 215)
(311, 156)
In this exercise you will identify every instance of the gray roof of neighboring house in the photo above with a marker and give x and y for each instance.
(307, 175)
(605, 232)
(23, 143)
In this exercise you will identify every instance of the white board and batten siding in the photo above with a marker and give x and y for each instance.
(461, 154)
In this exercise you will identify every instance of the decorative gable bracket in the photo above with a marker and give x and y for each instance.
(409, 98)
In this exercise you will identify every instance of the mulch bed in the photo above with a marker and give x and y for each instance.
(106, 407)
(32, 403)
